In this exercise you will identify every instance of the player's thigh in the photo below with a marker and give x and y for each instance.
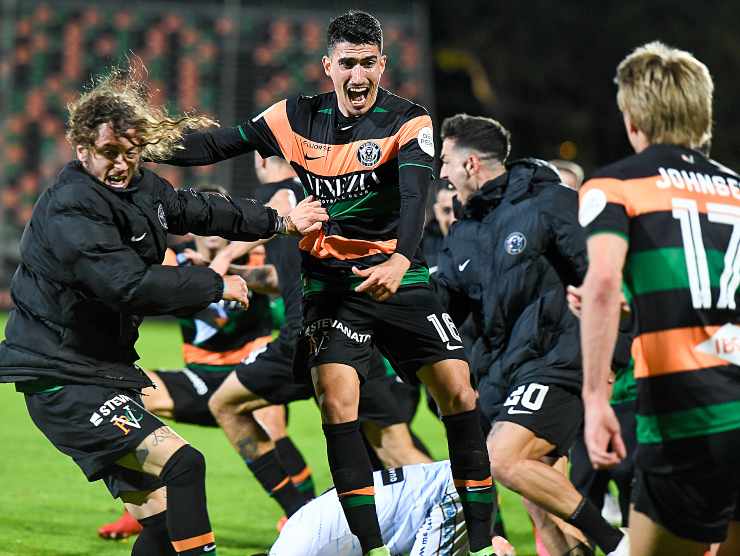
(151, 455)
(337, 387)
(142, 504)
(234, 396)
(157, 399)
(648, 538)
(510, 442)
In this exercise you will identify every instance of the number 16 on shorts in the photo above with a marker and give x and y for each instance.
(527, 398)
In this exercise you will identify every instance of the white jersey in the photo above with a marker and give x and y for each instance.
(418, 509)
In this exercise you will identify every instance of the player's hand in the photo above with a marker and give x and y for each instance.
(382, 280)
(235, 289)
(574, 300)
(195, 258)
(602, 434)
(306, 217)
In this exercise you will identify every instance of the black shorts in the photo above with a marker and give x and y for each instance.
(411, 329)
(550, 411)
(190, 391)
(696, 505)
(96, 426)
(268, 372)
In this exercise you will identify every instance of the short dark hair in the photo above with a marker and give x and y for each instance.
(354, 27)
(485, 135)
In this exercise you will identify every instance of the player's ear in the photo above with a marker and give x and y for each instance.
(382, 61)
(326, 62)
(83, 153)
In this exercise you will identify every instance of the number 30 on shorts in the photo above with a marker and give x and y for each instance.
(529, 396)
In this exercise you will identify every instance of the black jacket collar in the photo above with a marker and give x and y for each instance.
(517, 183)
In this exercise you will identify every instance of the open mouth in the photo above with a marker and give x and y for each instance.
(358, 96)
(117, 180)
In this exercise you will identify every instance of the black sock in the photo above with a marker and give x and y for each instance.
(295, 466)
(353, 477)
(499, 530)
(471, 472)
(153, 539)
(587, 518)
(269, 472)
(188, 525)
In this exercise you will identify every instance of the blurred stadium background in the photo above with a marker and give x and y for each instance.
(543, 69)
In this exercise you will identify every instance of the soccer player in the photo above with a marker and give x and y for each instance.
(419, 511)
(507, 258)
(367, 155)
(666, 223)
(89, 271)
(215, 340)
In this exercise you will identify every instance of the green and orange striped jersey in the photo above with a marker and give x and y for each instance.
(352, 166)
(680, 213)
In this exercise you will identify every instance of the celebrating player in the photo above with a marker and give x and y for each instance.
(367, 155)
(666, 222)
(89, 270)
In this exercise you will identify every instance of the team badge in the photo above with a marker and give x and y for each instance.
(515, 243)
(369, 153)
(161, 216)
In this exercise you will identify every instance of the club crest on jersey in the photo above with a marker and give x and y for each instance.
(368, 153)
(161, 216)
(515, 243)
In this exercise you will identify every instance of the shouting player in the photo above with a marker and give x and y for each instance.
(367, 155)
(666, 221)
(90, 269)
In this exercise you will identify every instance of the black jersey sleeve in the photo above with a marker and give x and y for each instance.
(267, 133)
(415, 159)
(447, 287)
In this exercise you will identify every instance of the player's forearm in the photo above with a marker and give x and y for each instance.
(261, 279)
(207, 147)
(599, 328)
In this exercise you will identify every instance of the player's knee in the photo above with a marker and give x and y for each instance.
(503, 470)
(337, 409)
(458, 399)
(185, 466)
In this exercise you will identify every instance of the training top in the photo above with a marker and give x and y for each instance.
(419, 512)
(680, 213)
(371, 173)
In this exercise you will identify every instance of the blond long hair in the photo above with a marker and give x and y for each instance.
(667, 93)
(123, 99)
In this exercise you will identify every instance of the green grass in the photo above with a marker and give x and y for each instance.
(49, 509)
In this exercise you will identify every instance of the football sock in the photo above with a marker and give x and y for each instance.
(471, 473)
(154, 540)
(295, 466)
(272, 476)
(499, 530)
(587, 518)
(188, 525)
(353, 478)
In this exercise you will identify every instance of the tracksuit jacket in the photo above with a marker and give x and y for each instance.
(91, 268)
(515, 247)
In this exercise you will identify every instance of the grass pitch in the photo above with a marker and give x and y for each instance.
(49, 509)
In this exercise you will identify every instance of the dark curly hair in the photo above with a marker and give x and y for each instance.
(354, 27)
(485, 135)
(121, 98)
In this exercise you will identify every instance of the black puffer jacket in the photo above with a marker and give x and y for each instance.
(531, 248)
(90, 269)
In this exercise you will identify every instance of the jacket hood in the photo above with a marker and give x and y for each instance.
(522, 176)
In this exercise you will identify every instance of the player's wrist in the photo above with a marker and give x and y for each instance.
(400, 261)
